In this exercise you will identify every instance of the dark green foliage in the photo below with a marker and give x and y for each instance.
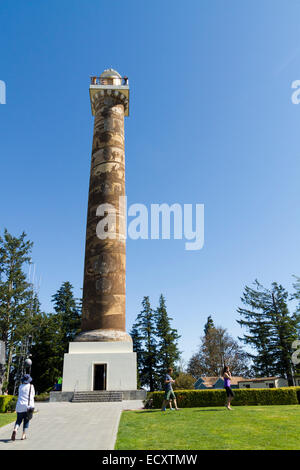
(52, 338)
(22, 325)
(156, 344)
(296, 294)
(271, 329)
(168, 353)
(199, 398)
(148, 356)
(208, 325)
(47, 352)
(66, 307)
(18, 303)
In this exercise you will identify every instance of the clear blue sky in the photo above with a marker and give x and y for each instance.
(211, 122)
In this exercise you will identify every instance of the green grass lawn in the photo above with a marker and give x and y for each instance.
(246, 427)
(6, 418)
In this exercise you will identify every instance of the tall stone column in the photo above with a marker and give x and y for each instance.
(101, 358)
(103, 312)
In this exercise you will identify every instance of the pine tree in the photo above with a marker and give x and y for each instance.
(52, 340)
(296, 295)
(208, 325)
(146, 327)
(47, 352)
(168, 353)
(66, 307)
(285, 332)
(255, 322)
(156, 344)
(16, 295)
(27, 331)
(272, 329)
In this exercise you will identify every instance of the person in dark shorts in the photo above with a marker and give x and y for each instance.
(169, 394)
(227, 383)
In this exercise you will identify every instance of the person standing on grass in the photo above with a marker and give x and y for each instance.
(25, 401)
(227, 382)
(169, 394)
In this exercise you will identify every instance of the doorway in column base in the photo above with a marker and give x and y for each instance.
(100, 374)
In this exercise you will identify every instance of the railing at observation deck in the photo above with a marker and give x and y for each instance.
(109, 81)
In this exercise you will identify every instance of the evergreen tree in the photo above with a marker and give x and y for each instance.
(146, 327)
(271, 329)
(168, 353)
(66, 307)
(47, 352)
(208, 325)
(27, 331)
(16, 295)
(52, 340)
(255, 322)
(296, 295)
(284, 328)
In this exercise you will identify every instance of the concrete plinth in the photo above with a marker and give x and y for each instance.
(127, 395)
(118, 359)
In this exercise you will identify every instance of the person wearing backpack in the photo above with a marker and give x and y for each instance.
(24, 406)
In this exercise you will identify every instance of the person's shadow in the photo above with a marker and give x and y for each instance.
(211, 409)
(146, 411)
(5, 441)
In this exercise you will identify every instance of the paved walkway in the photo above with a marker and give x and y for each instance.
(70, 426)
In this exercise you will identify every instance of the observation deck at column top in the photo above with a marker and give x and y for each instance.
(110, 82)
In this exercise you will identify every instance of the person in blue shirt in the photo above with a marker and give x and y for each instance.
(169, 394)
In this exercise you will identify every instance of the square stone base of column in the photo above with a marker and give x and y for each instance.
(126, 395)
(96, 366)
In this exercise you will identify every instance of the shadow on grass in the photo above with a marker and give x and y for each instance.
(168, 411)
(149, 411)
(211, 409)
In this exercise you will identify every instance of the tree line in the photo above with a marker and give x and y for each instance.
(24, 328)
(270, 329)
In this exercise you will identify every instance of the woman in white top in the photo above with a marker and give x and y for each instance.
(25, 401)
